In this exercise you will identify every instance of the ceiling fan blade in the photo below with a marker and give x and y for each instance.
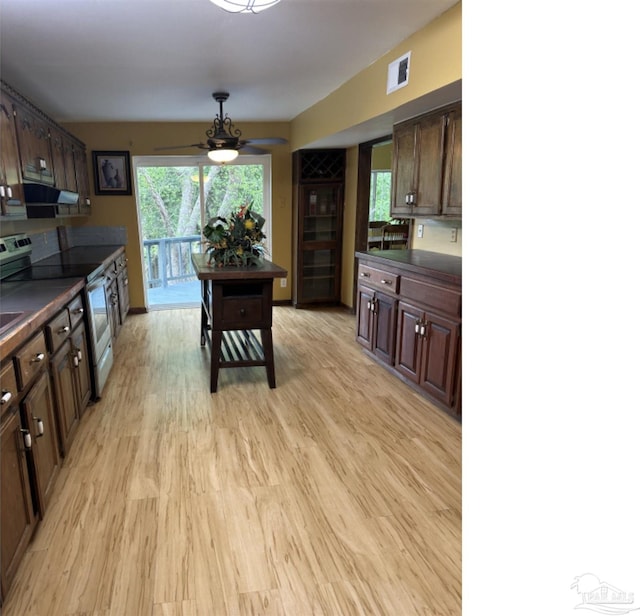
(202, 146)
(249, 149)
(268, 141)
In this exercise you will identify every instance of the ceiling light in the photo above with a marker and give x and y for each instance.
(222, 155)
(244, 6)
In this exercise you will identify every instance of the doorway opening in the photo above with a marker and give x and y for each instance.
(176, 196)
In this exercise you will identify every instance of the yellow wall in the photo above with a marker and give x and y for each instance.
(381, 157)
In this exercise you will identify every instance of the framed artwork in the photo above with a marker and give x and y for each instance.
(112, 172)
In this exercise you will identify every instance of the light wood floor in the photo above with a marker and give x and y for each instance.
(338, 492)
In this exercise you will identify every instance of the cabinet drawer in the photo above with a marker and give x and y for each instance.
(58, 330)
(30, 359)
(378, 278)
(242, 312)
(76, 310)
(9, 386)
(432, 296)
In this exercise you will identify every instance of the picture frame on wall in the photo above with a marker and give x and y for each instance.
(112, 172)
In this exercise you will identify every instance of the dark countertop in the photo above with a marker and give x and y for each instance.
(266, 269)
(38, 301)
(444, 267)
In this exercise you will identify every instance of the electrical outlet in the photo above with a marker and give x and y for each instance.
(420, 230)
(283, 282)
(454, 235)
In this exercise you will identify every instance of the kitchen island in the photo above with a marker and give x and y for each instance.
(235, 302)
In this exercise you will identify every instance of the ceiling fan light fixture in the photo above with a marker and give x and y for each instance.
(244, 6)
(222, 155)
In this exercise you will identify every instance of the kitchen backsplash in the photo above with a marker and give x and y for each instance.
(95, 236)
(437, 236)
(47, 243)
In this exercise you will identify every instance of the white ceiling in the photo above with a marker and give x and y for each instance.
(160, 60)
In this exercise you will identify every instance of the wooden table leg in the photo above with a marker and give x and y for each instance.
(267, 347)
(216, 350)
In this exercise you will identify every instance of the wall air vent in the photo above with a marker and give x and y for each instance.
(398, 73)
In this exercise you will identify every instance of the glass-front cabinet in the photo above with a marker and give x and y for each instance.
(319, 188)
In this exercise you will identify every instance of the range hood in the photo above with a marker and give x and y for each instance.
(43, 201)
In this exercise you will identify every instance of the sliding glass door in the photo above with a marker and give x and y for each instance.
(176, 196)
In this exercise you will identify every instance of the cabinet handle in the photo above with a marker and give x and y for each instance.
(243, 312)
(78, 311)
(39, 426)
(384, 281)
(417, 328)
(63, 330)
(1, 192)
(369, 306)
(79, 355)
(365, 275)
(9, 192)
(37, 358)
(422, 329)
(26, 437)
(6, 396)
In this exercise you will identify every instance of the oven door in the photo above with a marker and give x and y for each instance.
(98, 315)
(100, 332)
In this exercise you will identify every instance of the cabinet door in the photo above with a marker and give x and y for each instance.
(430, 160)
(82, 175)
(18, 520)
(63, 164)
(439, 358)
(38, 411)
(62, 371)
(82, 368)
(34, 146)
(408, 341)
(385, 327)
(404, 169)
(452, 188)
(364, 329)
(11, 193)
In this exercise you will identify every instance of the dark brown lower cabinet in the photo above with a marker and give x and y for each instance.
(63, 386)
(409, 317)
(38, 416)
(81, 367)
(376, 323)
(18, 519)
(427, 350)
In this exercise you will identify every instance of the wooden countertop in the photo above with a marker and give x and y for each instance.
(443, 267)
(204, 271)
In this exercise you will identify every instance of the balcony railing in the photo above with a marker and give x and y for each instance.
(167, 260)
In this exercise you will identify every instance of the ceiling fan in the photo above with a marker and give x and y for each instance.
(223, 139)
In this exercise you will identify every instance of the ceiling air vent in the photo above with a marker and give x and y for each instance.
(398, 74)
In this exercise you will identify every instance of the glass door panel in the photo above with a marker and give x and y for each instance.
(319, 273)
